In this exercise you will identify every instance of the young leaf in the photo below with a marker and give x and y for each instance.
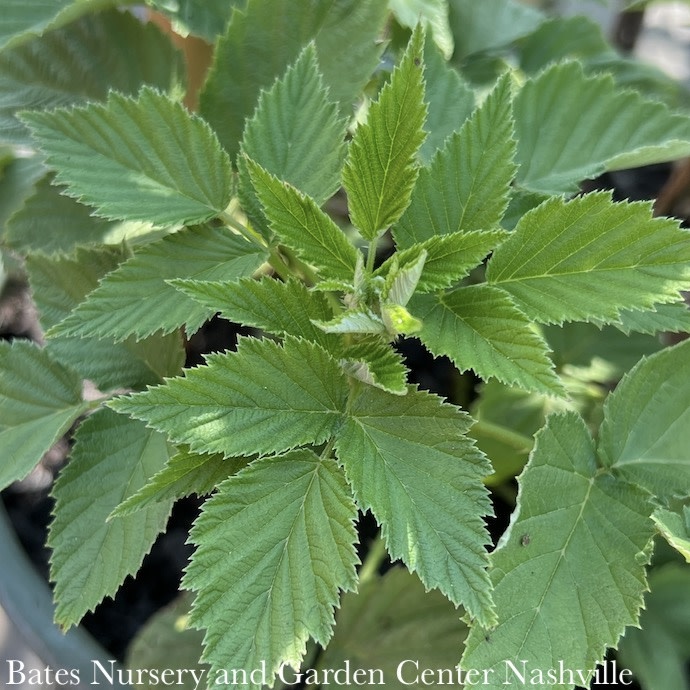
(645, 434)
(409, 462)
(91, 557)
(360, 320)
(264, 398)
(279, 587)
(380, 171)
(569, 574)
(39, 401)
(271, 305)
(675, 528)
(299, 222)
(589, 258)
(480, 328)
(137, 299)
(184, 474)
(607, 129)
(58, 285)
(295, 134)
(467, 185)
(375, 363)
(137, 159)
(261, 40)
(432, 14)
(51, 71)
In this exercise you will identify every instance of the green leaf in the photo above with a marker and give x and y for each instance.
(299, 222)
(674, 318)
(480, 328)
(433, 14)
(58, 285)
(380, 171)
(17, 182)
(23, 20)
(258, 45)
(39, 401)
(205, 18)
(375, 363)
(271, 305)
(607, 129)
(391, 619)
(295, 134)
(359, 320)
(675, 528)
(645, 435)
(91, 557)
(262, 598)
(409, 462)
(490, 24)
(82, 61)
(137, 159)
(184, 474)
(589, 258)
(569, 574)
(658, 652)
(264, 398)
(467, 184)
(137, 298)
(450, 101)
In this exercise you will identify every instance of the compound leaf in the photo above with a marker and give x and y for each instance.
(569, 574)
(39, 401)
(260, 599)
(137, 298)
(409, 461)
(467, 184)
(645, 434)
(113, 457)
(607, 129)
(589, 258)
(144, 158)
(265, 398)
(300, 224)
(380, 170)
(480, 328)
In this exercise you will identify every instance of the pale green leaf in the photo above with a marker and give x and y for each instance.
(39, 400)
(205, 18)
(144, 158)
(489, 24)
(675, 528)
(450, 101)
(260, 41)
(264, 398)
(375, 363)
(467, 184)
(409, 461)
(590, 258)
(480, 328)
(21, 21)
(58, 285)
(571, 127)
(392, 620)
(262, 598)
(673, 318)
(83, 61)
(295, 134)
(184, 474)
(645, 435)
(137, 298)
(113, 457)
(299, 223)
(569, 574)
(658, 653)
(360, 320)
(431, 13)
(271, 305)
(380, 171)
(402, 278)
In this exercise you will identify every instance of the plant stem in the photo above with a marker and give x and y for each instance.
(372, 563)
(511, 438)
(248, 233)
(371, 256)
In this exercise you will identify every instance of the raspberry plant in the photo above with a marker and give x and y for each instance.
(139, 219)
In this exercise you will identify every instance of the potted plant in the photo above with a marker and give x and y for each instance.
(340, 196)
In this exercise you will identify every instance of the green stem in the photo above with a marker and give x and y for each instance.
(372, 563)
(248, 233)
(511, 438)
(371, 256)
